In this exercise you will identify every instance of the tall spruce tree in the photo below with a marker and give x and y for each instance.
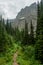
(10, 29)
(21, 34)
(38, 20)
(7, 26)
(32, 39)
(25, 40)
(39, 33)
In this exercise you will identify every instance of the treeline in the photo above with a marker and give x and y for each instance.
(23, 36)
(5, 38)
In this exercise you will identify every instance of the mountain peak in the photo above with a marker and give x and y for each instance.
(24, 13)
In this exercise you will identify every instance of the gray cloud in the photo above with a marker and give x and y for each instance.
(10, 8)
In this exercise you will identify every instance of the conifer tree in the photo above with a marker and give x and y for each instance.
(32, 40)
(10, 29)
(38, 20)
(26, 35)
(2, 35)
(39, 33)
(5, 40)
(7, 26)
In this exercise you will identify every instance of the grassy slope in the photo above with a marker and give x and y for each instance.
(26, 57)
(7, 58)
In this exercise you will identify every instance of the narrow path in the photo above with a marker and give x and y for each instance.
(15, 58)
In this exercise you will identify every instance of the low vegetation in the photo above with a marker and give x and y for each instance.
(27, 56)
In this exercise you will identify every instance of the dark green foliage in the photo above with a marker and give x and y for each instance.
(39, 49)
(38, 19)
(25, 40)
(2, 35)
(39, 34)
(32, 39)
(5, 40)
(22, 34)
(17, 34)
(9, 28)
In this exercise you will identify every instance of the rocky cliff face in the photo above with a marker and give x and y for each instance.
(30, 13)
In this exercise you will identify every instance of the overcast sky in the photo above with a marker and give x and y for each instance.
(10, 8)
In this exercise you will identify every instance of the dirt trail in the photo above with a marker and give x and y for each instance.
(15, 59)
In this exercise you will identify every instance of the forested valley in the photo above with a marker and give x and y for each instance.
(21, 47)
